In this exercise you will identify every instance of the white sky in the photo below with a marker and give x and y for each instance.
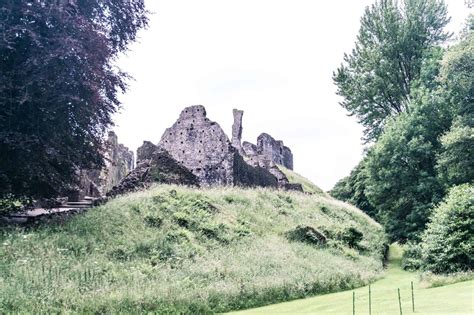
(272, 59)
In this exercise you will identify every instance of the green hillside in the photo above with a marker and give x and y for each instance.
(176, 249)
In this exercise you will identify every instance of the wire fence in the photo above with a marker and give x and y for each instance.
(361, 296)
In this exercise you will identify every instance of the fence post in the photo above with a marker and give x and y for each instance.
(412, 298)
(399, 301)
(370, 302)
(353, 303)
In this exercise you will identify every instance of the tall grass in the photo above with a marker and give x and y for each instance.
(175, 249)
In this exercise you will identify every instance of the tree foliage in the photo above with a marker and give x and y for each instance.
(448, 242)
(59, 87)
(352, 189)
(455, 163)
(426, 149)
(375, 80)
(402, 181)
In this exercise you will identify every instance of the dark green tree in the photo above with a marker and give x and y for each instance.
(375, 80)
(402, 182)
(448, 242)
(58, 87)
(352, 189)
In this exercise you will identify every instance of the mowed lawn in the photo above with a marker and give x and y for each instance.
(456, 298)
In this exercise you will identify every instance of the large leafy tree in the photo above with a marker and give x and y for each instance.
(58, 87)
(375, 80)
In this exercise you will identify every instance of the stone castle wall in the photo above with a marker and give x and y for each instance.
(119, 161)
(201, 146)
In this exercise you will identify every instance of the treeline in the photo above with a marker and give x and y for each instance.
(414, 97)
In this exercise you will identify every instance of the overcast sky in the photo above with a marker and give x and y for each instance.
(272, 59)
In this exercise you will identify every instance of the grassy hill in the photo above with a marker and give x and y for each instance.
(176, 249)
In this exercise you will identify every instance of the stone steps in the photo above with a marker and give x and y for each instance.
(33, 214)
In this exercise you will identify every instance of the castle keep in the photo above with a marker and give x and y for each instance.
(196, 145)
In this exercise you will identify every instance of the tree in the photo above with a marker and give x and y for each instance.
(352, 189)
(402, 181)
(448, 242)
(58, 88)
(375, 80)
(456, 160)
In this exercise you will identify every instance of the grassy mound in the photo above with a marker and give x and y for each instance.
(175, 249)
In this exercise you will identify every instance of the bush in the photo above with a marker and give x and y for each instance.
(307, 234)
(448, 241)
(431, 280)
(411, 258)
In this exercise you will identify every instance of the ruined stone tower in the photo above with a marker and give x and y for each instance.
(237, 130)
(201, 146)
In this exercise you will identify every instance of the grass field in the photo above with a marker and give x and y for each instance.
(451, 299)
(173, 249)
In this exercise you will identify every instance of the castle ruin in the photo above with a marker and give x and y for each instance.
(202, 147)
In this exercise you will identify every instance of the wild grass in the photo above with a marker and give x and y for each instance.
(431, 280)
(183, 250)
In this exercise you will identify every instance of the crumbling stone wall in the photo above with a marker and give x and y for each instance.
(201, 146)
(157, 166)
(119, 161)
(251, 176)
(274, 150)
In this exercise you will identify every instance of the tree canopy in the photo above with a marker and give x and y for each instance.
(375, 80)
(59, 87)
(425, 147)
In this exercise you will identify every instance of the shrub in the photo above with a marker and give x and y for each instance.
(351, 236)
(411, 258)
(448, 241)
(307, 234)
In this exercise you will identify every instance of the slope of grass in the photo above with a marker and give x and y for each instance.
(295, 178)
(176, 249)
(450, 299)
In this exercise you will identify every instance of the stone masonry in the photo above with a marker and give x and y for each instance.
(201, 146)
(237, 130)
(119, 161)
